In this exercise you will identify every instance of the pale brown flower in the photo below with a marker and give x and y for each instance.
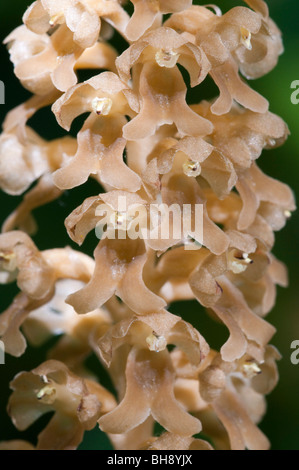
(241, 39)
(241, 135)
(41, 277)
(118, 269)
(16, 119)
(195, 157)
(77, 404)
(147, 11)
(182, 212)
(232, 390)
(19, 258)
(25, 158)
(100, 142)
(148, 358)
(16, 445)
(167, 48)
(18, 158)
(163, 101)
(82, 18)
(169, 441)
(44, 63)
(38, 69)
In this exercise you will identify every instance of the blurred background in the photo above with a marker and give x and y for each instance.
(281, 423)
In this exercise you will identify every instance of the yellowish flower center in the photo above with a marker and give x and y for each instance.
(271, 142)
(191, 168)
(8, 261)
(155, 342)
(238, 261)
(47, 394)
(250, 369)
(119, 220)
(287, 214)
(101, 106)
(246, 38)
(55, 19)
(166, 58)
(59, 394)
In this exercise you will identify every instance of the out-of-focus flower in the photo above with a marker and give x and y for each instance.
(38, 69)
(23, 160)
(19, 258)
(16, 445)
(236, 391)
(46, 63)
(168, 441)
(40, 276)
(82, 18)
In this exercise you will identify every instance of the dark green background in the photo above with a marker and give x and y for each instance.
(281, 423)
